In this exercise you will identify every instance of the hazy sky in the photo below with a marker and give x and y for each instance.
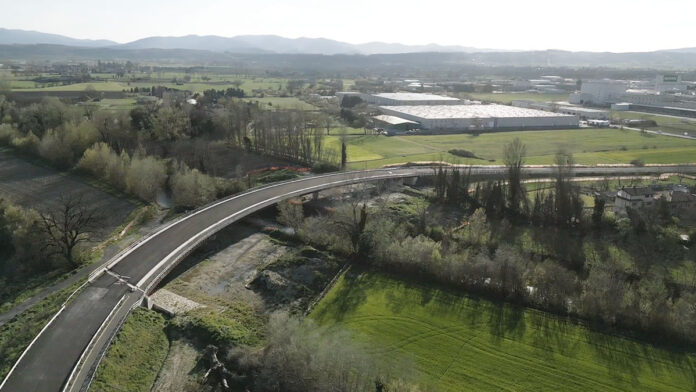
(596, 25)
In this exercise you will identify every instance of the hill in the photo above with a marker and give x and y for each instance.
(25, 37)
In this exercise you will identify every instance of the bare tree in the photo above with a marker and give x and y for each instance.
(291, 213)
(69, 225)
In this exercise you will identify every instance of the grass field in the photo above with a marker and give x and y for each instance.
(589, 146)
(107, 82)
(457, 343)
(664, 123)
(136, 355)
(507, 98)
(283, 103)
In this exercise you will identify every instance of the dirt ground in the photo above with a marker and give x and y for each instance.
(225, 273)
(40, 188)
(181, 371)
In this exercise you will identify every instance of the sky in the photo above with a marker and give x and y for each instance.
(592, 25)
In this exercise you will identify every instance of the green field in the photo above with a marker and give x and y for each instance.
(664, 123)
(136, 355)
(458, 343)
(507, 98)
(590, 146)
(107, 82)
(283, 103)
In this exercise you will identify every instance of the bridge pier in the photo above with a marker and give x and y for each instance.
(411, 181)
(315, 195)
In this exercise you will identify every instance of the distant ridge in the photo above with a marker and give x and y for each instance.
(237, 44)
(26, 37)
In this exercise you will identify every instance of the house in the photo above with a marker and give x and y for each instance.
(634, 197)
(680, 201)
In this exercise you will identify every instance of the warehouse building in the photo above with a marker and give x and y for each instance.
(481, 117)
(599, 92)
(404, 99)
(583, 113)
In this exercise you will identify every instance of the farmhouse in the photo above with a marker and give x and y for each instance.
(634, 197)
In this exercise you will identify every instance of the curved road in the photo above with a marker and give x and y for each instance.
(81, 331)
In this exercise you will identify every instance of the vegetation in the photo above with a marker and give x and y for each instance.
(22, 249)
(136, 355)
(301, 357)
(459, 342)
(589, 146)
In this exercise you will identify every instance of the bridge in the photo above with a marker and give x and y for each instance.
(64, 355)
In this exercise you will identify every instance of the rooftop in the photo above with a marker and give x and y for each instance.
(393, 120)
(415, 97)
(638, 191)
(471, 111)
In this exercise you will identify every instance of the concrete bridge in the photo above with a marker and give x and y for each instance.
(66, 352)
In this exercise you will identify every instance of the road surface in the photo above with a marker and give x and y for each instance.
(82, 331)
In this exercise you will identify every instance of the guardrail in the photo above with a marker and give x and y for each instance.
(160, 270)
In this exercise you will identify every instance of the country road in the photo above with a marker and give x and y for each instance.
(83, 329)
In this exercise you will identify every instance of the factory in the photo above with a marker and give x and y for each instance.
(479, 117)
(599, 92)
(401, 98)
(583, 113)
(409, 99)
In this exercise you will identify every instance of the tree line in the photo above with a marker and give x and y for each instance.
(547, 251)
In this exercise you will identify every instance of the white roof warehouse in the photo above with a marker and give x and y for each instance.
(463, 117)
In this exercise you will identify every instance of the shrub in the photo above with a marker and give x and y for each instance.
(638, 162)
(28, 144)
(325, 167)
(146, 177)
(463, 153)
(191, 188)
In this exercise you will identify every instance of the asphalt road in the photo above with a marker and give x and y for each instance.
(49, 362)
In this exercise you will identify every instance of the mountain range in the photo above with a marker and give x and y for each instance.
(238, 44)
(304, 54)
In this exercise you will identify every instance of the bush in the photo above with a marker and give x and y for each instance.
(302, 357)
(7, 134)
(325, 167)
(146, 176)
(463, 153)
(638, 162)
(28, 144)
(191, 188)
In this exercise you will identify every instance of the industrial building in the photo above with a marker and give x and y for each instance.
(393, 123)
(402, 99)
(599, 92)
(559, 107)
(480, 117)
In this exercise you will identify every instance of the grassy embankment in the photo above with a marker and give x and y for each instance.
(136, 355)
(589, 146)
(664, 123)
(461, 343)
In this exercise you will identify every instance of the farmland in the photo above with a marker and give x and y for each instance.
(462, 343)
(507, 98)
(589, 146)
(175, 80)
(34, 186)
